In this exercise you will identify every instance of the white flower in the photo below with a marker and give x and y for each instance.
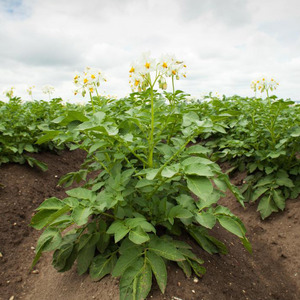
(48, 89)
(89, 81)
(165, 62)
(137, 81)
(167, 66)
(190, 99)
(264, 84)
(29, 90)
(176, 69)
(147, 64)
(10, 92)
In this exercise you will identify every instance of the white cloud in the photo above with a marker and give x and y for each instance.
(225, 44)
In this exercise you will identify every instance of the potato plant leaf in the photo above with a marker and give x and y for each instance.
(159, 269)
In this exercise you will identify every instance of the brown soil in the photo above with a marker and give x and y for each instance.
(271, 272)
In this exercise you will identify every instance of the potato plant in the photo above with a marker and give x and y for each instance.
(263, 138)
(151, 184)
(21, 124)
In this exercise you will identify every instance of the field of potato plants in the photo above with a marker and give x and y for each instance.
(156, 195)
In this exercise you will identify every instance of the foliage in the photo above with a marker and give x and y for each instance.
(21, 124)
(263, 138)
(152, 183)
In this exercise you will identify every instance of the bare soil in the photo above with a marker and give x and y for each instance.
(271, 272)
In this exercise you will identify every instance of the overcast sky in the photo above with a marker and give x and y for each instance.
(224, 43)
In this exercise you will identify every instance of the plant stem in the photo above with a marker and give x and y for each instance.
(92, 102)
(173, 87)
(151, 144)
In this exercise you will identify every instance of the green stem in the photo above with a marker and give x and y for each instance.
(151, 143)
(269, 100)
(127, 147)
(173, 87)
(92, 102)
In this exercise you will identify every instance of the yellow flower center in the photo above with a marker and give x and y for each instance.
(137, 82)
(165, 65)
(93, 76)
(174, 72)
(91, 90)
(147, 65)
(85, 80)
(131, 70)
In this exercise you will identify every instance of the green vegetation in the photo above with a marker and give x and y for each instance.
(155, 159)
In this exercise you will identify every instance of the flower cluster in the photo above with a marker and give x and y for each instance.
(167, 66)
(89, 81)
(48, 89)
(29, 90)
(9, 93)
(264, 84)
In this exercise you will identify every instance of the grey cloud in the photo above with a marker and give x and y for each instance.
(231, 12)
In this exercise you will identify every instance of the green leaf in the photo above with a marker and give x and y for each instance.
(80, 193)
(194, 160)
(197, 149)
(199, 270)
(32, 161)
(81, 214)
(88, 239)
(266, 206)
(51, 204)
(189, 254)
(206, 219)
(198, 169)
(118, 229)
(63, 257)
(138, 235)
(102, 265)
(220, 184)
(165, 249)
(279, 199)
(126, 259)
(179, 212)
(200, 186)
(144, 182)
(40, 219)
(258, 192)
(265, 181)
(73, 115)
(84, 259)
(186, 201)
(247, 245)
(49, 240)
(186, 268)
(126, 281)
(170, 171)
(284, 181)
(49, 136)
(296, 132)
(200, 237)
(142, 283)
(97, 145)
(150, 175)
(232, 225)
(159, 269)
